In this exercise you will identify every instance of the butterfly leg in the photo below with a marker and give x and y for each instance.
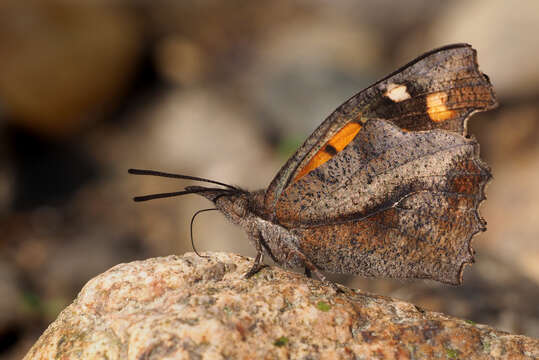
(283, 248)
(311, 268)
(257, 265)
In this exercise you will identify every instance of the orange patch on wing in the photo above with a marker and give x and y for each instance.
(437, 108)
(338, 142)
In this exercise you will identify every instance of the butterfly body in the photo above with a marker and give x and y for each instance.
(246, 209)
(388, 185)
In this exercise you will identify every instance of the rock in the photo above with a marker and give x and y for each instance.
(191, 307)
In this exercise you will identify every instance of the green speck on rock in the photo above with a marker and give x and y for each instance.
(282, 341)
(451, 353)
(323, 306)
(471, 322)
(486, 346)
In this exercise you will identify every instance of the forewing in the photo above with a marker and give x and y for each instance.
(392, 203)
(438, 90)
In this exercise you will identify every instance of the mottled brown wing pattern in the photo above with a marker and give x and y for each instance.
(438, 90)
(379, 167)
(426, 236)
(393, 203)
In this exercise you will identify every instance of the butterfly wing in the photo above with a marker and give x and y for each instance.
(392, 204)
(439, 90)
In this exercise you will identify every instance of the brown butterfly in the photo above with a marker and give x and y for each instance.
(387, 186)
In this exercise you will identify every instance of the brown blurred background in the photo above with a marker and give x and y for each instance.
(227, 90)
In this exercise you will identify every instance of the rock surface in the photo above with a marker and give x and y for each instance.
(190, 307)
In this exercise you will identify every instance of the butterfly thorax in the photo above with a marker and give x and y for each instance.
(246, 209)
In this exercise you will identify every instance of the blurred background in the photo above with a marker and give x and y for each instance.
(227, 90)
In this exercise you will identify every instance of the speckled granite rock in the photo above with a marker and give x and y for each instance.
(180, 307)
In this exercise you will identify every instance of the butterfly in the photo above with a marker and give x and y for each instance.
(388, 185)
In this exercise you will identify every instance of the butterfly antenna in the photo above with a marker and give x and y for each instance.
(177, 176)
(192, 220)
(171, 194)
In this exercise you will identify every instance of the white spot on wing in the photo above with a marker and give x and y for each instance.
(396, 92)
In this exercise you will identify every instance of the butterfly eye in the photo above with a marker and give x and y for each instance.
(240, 207)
